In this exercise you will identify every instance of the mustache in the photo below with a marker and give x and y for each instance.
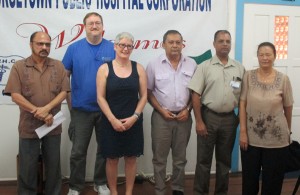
(44, 51)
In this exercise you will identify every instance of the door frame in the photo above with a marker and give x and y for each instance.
(239, 32)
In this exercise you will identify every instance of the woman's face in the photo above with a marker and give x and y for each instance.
(265, 57)
(124, 48)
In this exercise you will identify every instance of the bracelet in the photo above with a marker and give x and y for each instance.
(137, 115)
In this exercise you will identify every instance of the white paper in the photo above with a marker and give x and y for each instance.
(44, 129)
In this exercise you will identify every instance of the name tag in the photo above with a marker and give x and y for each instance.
(235, 84)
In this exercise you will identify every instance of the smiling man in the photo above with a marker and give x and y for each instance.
(82, 60)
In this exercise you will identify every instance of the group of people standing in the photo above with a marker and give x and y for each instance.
(109, 91)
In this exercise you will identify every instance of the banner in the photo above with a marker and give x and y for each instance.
(146, 20)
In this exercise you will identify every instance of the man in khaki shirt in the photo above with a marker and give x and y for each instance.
(216, 87)
(38, 85)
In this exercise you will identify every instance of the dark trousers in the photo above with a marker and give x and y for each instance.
(270, 162)
(29, 151)
(221, 136)
(80, 132)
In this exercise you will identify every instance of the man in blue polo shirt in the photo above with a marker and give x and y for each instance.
(82, 60)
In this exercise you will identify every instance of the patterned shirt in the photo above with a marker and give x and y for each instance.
(266, 123)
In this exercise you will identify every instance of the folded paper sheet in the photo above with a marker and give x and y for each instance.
(44, 129)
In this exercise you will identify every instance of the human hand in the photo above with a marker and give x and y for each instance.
(183, 115)
(243, 140)
(201, 129)
(48, 120)
(168, 115)
(41, 113)
(128, 122)
(118, 125)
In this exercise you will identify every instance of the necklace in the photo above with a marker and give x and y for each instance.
(122, 65)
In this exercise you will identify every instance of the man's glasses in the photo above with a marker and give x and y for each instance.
(41, 44)
(90, 24)
(129, 47)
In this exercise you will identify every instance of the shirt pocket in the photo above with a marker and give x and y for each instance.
(186, 76)
(162, 79)
(27, 86)
(55, 83)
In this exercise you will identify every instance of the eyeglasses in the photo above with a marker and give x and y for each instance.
(41, 44)
(90, 24)
(129, 47)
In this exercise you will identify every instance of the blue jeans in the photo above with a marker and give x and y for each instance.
(29, 151)
(80, 132)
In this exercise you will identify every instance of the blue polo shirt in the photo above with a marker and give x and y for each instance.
(83, 60)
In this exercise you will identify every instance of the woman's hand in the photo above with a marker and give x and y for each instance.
(243, 140)
(118, 125)
(128, 122)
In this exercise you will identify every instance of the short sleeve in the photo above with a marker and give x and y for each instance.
(197, 82)
(245, 86)
(287, 92)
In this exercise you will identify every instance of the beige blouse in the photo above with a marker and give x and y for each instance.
(266, 124)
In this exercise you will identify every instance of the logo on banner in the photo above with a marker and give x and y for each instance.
(6, 63)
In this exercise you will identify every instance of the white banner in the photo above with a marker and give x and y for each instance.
(146, 20)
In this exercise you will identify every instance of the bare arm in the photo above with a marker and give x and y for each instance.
(41, 113)
(23, 103)
(68, 98)
(142, 89)
(154, 103)
(243, 125)
(288, 111)
(200, 126)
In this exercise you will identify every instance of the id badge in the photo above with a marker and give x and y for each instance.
(235, 84)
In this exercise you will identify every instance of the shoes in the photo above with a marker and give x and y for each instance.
(151, 179)
(176, 192)
(102, 189)
(73, 192)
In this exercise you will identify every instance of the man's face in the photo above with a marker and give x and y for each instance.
(173, 45)
(93, 26)
(40, 45)
(222, 44)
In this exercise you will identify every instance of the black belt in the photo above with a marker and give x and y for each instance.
(176, 112)
(217, 113)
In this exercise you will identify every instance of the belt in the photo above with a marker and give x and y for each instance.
(176, 112)
(217, 113)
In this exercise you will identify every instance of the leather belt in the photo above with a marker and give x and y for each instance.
(217, 113)
(176, 112)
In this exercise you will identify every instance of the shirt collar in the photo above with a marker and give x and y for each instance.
(215, 60)
(163, 58)
(30, 62)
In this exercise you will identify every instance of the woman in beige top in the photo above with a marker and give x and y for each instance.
(266, 105)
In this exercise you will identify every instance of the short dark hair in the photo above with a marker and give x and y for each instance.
(171, 32)
(34, 34)
(90, 14)
(267, 44)
(219, 32)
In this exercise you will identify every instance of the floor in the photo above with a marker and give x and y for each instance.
(146, 188)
